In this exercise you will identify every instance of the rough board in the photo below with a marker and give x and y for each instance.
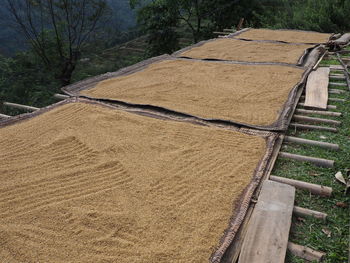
(83, 182)
(268, 229)
(288, 36)
(259, 96)
(249, 51)
(316, 92)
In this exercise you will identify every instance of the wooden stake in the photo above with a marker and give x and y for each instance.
(315, 120)
(312, 188)
(311, 142)
(325, 113)
(20, 106)
(329, 107)
(300, 211)
(313, 127)
(61, 96)
(305, 252)
(314, 160)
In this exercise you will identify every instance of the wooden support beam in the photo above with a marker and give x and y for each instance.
(304, 212)
(3, 116)
(61, 96)
(267, 236)
(336, 91)
(314, 160)
(305, 252)
(336, 67)
(312, 188)
(329, 107)
(315, 120)
(20, 106)
(313, 127)
(326, 145)
(324, 113)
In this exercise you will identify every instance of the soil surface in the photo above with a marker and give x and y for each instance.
(85, 183)
(249, 94)
(249, 51)
(290, 36)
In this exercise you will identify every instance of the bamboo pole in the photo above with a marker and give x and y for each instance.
(330, 99)
(312, 188)
(315, 120)
(314, 160)
(336, 91)
(336, 99)
(4, 116)
(329, 107)
(313, 127)
(300, 211)
(20, 106)
(337, 84)
(327, 145)
(337, 77)
(305, 252)
(325, 113)
(61, 96)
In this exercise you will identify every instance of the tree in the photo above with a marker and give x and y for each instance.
(57, 30)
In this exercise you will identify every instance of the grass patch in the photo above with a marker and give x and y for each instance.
(310, 231)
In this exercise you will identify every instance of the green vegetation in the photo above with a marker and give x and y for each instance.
(330, 236)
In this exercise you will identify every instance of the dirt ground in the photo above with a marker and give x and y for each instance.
(249, 94)
(85, 183)
(239, 50)
(290, 36)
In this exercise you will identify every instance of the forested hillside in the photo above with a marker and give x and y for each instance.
(64, 41)
(121, 17)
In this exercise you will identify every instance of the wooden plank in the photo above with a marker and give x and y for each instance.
(305, 252)
(266, 239)
(312, 188)
(315, 120)
(314, 160)
(313, 127)
(325, 113)
(300, 211)
(326, 145)
(316, 92)
(20, 106)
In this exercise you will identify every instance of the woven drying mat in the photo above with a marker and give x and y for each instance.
(283, 35)
(255, 95)
(247, 51)
(85, 182)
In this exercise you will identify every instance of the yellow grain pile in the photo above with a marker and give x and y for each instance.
(239, 50)
(291, 36)
(84, 183)
(250, 94)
